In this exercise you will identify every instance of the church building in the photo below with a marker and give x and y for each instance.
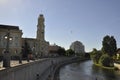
(38, 45)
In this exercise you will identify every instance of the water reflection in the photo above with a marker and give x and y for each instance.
(87, 71)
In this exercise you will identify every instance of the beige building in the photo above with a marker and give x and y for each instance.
(37, 45)
(53, 50)
(15, 42)
(42, 45)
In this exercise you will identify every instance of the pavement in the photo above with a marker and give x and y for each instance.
(14, 63)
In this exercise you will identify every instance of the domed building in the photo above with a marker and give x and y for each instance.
(77, 47)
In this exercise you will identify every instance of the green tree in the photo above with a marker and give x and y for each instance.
(95, 55)
(113, 45)
(109, 45)
(27, 49)
(70, 52)
(61, 51)
(106, 60)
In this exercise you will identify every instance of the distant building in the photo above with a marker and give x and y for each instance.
(77, 47)
(53, 50)
(37, 45)
(118, 53)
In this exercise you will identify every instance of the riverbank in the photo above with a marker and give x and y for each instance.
(117, 65)
(112, 68)
(85, 70)
(57, 67)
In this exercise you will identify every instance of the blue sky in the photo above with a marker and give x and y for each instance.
(66, 21)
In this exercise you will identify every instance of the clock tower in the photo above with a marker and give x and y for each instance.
(40, 28)
(41, 46)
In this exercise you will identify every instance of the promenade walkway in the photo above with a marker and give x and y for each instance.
(48, 68)
(14, 63)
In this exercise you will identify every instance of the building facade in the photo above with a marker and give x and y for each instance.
(53, 50)
(77, 47)
(37, 45)
(42, 45)
(16, 39)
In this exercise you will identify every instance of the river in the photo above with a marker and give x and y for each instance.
(87, 71)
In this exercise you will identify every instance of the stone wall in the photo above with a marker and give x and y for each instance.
(25, 71)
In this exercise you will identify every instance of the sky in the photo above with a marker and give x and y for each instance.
(66, 21)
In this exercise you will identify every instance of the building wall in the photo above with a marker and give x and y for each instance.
(39, 44)
(30, 41)
(42, 45)
(53, 50)
(14, 44)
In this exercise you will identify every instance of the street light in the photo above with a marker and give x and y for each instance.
(6, 55)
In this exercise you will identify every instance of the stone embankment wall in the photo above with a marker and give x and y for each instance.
(26, 71)
(55, 74)
(37, 70)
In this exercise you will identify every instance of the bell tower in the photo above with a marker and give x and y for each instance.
(40, 46)
(40, 28)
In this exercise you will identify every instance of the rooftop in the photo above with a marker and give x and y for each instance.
(9, 27)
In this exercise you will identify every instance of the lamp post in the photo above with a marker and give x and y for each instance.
(6, 55)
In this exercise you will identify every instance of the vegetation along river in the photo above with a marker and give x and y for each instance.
(87, 71)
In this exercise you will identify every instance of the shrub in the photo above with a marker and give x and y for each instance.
(95, 56)
(106, 60)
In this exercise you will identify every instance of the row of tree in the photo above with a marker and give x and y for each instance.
(107, 54)
(63, 52)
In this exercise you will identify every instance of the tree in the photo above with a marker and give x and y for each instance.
(95, 55)
(61, 51)
(109, 45)
(106, 60)
(113, 45)
(70, 52)
(26, 49)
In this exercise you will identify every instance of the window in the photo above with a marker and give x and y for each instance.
(16, 38)
(16, 44)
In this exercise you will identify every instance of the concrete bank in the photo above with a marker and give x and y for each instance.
(27, 71)
(55, 74)
(37, 70)
(49, 72)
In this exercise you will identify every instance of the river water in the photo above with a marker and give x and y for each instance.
(87, 71)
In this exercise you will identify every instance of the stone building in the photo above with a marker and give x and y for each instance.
(37, 45)
(42, 45)
(77, 47)
(53, 50)
(15, 42)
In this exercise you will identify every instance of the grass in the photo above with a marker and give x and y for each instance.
(112, 68)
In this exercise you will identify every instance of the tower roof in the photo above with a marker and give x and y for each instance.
(41, 15)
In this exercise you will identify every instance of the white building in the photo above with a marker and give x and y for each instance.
(77, 47)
